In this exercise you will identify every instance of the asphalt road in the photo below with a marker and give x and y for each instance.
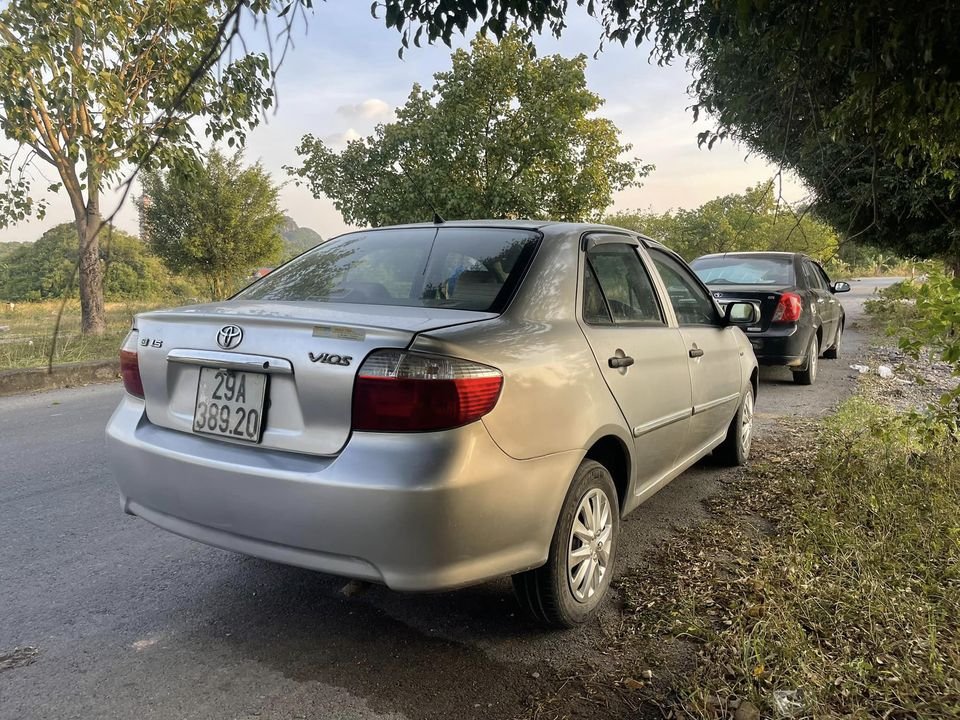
(131, 622)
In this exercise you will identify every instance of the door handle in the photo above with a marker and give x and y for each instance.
(620, 362)
(696, 352)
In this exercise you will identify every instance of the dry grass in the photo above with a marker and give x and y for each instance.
(30, 327)
(842, 595)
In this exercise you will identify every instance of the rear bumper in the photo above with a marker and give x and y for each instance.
(786, 345)
(424, 511)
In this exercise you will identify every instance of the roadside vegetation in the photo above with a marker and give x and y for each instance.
(840, 599)
(29, 333)
(826, 582)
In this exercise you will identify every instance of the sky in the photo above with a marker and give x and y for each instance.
(343, 77)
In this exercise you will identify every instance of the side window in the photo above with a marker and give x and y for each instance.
(822, 274)
(617, 288)
(691, 303)
(595, 310)
(814, 279)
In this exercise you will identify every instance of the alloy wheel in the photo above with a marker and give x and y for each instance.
(588, 555)
(746, 424)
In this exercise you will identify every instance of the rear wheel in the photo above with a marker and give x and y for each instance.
(735, 449)
(808, 375)
(569, 588)
(833, 353)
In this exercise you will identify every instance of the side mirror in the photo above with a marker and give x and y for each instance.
(840, 286)
(742, 313)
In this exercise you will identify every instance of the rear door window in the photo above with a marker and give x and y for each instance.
(818, 277)
(456, 268)
(617, 288)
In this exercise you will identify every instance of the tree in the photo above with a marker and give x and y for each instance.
(217, 219)
(91, 88)
(501, 134)
(43, 270)
(898, 57)
(752, 220)
(833, 90)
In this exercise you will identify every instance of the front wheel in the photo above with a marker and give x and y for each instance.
(735, 449)
(808, 375)
(570, 587)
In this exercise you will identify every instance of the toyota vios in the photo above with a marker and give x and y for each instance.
(431, 406)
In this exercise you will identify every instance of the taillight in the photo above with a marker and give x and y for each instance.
(788, 309)
(130, 365)
(399, 391)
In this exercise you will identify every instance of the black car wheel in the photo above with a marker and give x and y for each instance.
(833, 353)
(808, 375)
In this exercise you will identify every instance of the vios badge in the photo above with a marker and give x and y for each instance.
(229, 337)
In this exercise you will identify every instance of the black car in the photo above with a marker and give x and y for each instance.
(800, 318)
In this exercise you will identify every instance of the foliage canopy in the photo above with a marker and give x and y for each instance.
(90, 88)
(43, 270)
(217, 219)
(503, 133)
(752, 220)
(861, 100)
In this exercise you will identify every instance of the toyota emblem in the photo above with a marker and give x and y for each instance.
(229, 337)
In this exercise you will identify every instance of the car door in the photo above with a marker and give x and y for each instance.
(711, 350)
(826, 307)
(836, 308)
(641, 357)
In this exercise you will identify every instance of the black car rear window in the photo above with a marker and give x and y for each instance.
(457, 268)
(745, 270)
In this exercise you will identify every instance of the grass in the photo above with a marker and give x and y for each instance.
(27, 341)
(842, 598)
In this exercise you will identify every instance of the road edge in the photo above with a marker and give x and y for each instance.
(26, 380)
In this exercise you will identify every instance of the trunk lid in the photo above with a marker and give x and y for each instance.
(310, 352)
(768, 297)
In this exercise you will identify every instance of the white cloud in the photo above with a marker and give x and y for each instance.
(372, 109)
(339, 140)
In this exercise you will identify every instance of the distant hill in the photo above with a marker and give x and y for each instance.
(297, 239)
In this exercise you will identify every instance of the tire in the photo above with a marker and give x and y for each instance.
(547, 592)
(735, 449)
(833, 353)
(808, 375)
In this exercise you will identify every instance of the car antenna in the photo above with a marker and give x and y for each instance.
(437, 220)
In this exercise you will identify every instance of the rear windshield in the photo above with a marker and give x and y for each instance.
(740, 270)
(457, 268)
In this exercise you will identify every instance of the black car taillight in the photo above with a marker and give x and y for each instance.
(789, 308)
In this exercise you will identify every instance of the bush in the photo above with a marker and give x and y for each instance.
(851, 607)
(925, 316)
(46, 268)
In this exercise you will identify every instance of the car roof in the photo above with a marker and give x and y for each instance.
(546, 227)
(754, 254)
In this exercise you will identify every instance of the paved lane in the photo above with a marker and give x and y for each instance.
(131, 622)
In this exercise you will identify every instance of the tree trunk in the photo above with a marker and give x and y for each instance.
(953, 263)
(93, 318)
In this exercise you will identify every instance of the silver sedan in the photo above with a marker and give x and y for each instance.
(431, 406)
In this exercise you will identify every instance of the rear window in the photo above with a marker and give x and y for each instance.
(739, 270)
(457, 268)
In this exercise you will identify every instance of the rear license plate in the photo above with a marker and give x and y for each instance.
(230, 404)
